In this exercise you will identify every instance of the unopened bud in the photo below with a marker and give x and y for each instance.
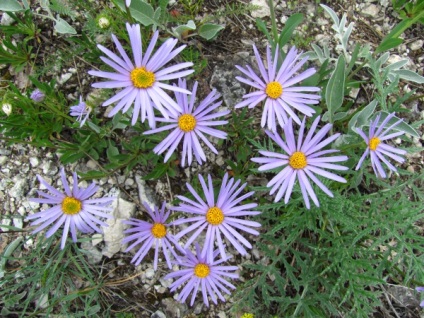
(7, 108)
(103, 23)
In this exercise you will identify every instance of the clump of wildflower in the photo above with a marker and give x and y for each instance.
(191, 124)
(376, 148)
(37, 95)
(73, 209)
(143, 81)
(149, 234)
(301, 160)
(6, 108)
(204, 272)
(276, 88)
(81, 111)
(420, 289)
(221, 217)
(247, 315)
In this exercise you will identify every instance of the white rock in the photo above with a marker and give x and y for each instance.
(64, 78)
(91, 164)
(34, 162)
(3, 160)
(43, 301)
(129, 182)
(96, 239)
(19, 188)
(166, 282)
(150, 273)
(113, 234)
(263, 9)
(144, 192)
(370, 11)
(17, 222)
(416, 45)
(158, 314)
(6, 19)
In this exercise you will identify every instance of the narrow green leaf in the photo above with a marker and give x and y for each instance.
(261, 25)
(388, 44)
(334, 92)
(288, 29)
(409, 76)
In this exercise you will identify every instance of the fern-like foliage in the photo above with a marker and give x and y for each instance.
(332, 261)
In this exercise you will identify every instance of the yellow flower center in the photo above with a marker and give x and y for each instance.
(374, 142)
(71, 206)
(186, 122)
(142, 78)
(297, 160)
(214, 216)
(201, 270)
(158, 230)
(274, 90)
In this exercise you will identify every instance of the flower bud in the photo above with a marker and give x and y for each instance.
(7, 108)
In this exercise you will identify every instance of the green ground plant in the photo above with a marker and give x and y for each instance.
(329, 261)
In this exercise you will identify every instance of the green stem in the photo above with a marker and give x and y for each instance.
(273, 23)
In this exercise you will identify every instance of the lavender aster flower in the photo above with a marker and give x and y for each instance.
(277, 90)
(301, 160)
(190, 124)
(37, 95)
(127, 3)
(73, 208)
(220, 216)
(200, 271)
(377, 149)
(79, 111)
(420, 289)
(142, 81)
(151, 233)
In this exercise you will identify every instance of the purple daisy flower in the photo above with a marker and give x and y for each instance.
(37, 95)
(127, 3)
(301, 160)
(420, 289)
(191, 124)
(220, 216)
(143, 81)
(73, 208)
(79, 111)
(200, 271)
(151, 233)
(377, 149)
(276, 88)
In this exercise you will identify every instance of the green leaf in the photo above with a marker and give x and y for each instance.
(388, 44)
(143, 13)
(334, 92)
(158, 172)
(288, 29)
(209, 30)
(409, 76)
(63, 27)
(190, 26)
(261, 25)
(93, 126)
(10, 5)
(361, 117)
(111, 152)
(93, 174)
(402, 126)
